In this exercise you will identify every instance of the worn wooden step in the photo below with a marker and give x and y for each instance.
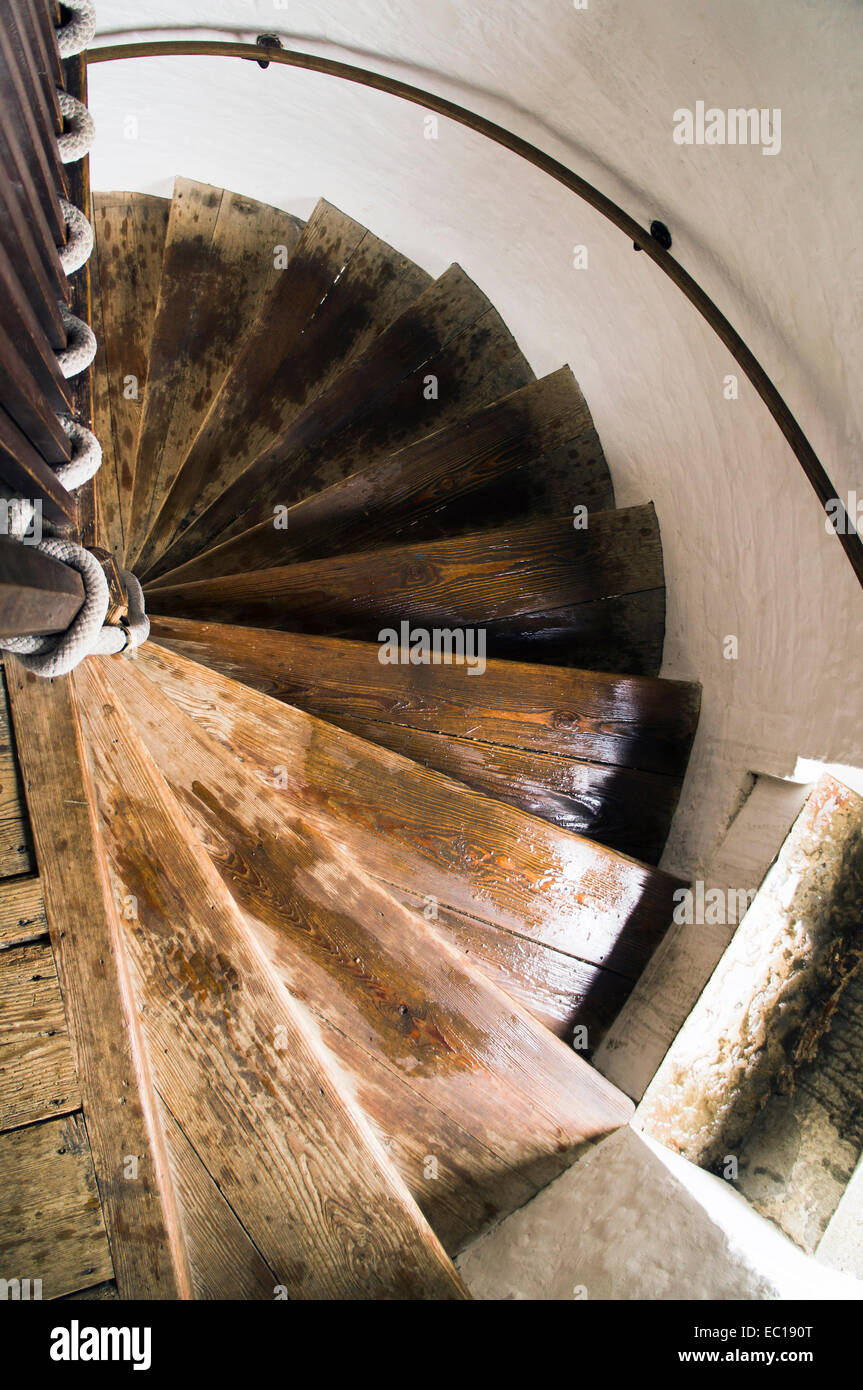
(130, 230)
(380, 974)
(341, 289)
(446, 356)
(600, 755)
(419, 830)
(534, 575)
(535, 451)
(219, 266)
(236, 1062)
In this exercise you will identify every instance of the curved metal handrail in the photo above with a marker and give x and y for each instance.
(745, 358)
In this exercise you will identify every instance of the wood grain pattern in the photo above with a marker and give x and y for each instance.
(22, 911)
(507, 449)
(489, 579)
(373, 409)
(621, 721)
(345, 946)
(130, 230)
(82, 917)
(51, 1225)
(236, 1060)
(16, 840)
(424, 831)
(37, 1073)
(218, 268)
(296, 349)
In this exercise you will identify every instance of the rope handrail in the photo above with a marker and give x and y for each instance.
(743, 355)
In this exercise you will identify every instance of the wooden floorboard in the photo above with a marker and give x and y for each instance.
(37, 1070)
(51, 1225)
(82, 918)
(22, 911)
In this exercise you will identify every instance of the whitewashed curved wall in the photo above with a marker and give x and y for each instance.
(775, 240)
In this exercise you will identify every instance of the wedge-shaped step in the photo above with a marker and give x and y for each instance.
(220, 263)
(236, 1063)
(600, 755)
(445, 356)
(510, 875)
(523, 585)
(377, 972)
(341, 289)
(535, 451)
(130, 230)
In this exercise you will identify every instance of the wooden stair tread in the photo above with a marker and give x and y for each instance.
(373, 969)
(382, 402)
(235, 1060)
(467, 460)
(218, 268)
(341, 289)
(473, 854)
(37, 1072)
(493, 580)
(601, 756)
(126, 268)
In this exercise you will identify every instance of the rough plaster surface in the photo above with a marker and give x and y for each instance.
(640, 1036)
(841, 1246)
(626, 1223)
(773, 239)
(764, 1070)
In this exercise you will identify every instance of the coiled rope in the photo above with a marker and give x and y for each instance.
(88, 635)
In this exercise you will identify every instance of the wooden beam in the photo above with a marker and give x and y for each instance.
(37, 593)
(119, 1104)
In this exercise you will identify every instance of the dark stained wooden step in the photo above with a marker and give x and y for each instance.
(237, 1062)
(599, 755)
(536, 448)
(126, 268)
(378, 972)
(517, 583)
(341, 289)
(37, 1072)
(218, 268)
(420, 830)
(445, 357)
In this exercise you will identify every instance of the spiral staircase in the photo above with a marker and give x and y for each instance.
(367, 918)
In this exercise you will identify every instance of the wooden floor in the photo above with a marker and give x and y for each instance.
(51, 1223)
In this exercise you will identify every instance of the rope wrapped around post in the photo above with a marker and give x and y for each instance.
(89, 633)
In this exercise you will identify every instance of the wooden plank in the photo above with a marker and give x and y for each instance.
(37, 1072)
(37, 593)
(47, 173)
(236, 1061)
(51, 1225)
(621, 721)
(26, 474)
(217, 270)
(342, 944)
(287, 360)
(21, 181)
(106, 484)
(20, 243)
(419, 829)
(130, 231)
(16, 841)
(117, 1094)
(22, 911)
(381, 403)
(507, 449)
(224, 1260)
(490, 580)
